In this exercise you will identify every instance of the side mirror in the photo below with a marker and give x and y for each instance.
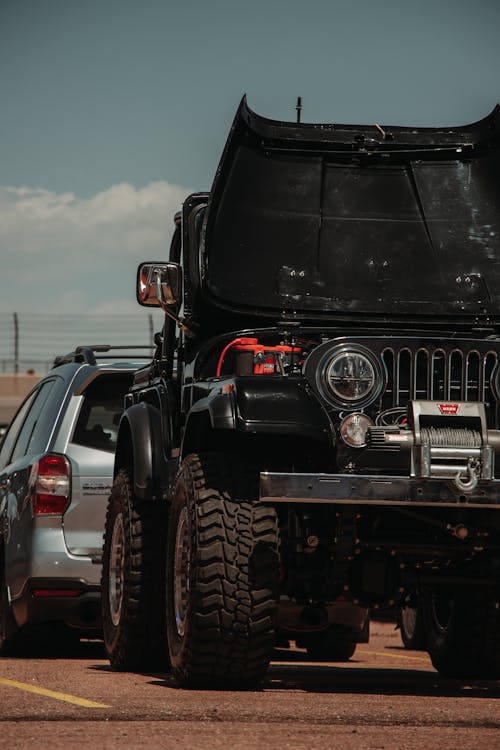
(159, 284)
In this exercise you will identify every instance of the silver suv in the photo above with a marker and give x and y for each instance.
(56, 467)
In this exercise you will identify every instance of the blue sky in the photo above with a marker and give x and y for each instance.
(112, 110)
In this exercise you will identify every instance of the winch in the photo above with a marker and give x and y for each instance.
(445, 440)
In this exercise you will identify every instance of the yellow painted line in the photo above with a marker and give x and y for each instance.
(394, 656)
(52, 694)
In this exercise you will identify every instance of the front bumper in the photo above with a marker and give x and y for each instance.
(349, 489)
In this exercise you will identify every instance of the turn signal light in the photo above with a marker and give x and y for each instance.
(51, 484)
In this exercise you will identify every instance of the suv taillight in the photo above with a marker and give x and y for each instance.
(51, 484)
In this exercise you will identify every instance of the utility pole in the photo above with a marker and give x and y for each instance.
(16, 344)
(298, 108)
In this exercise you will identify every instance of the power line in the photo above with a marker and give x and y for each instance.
(31, 342)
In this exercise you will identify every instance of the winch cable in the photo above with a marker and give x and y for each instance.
(450, 437)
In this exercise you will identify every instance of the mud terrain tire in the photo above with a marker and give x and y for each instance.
(133, 581)
(463, 634)
(222, 573)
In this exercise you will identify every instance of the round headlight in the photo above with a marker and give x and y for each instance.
(354, 428)
(350, 376)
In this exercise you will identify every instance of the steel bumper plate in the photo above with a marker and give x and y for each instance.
(346, 489)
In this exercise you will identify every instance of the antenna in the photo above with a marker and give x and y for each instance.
(298, 108)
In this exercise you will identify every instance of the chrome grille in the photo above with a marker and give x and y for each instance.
(438, 373)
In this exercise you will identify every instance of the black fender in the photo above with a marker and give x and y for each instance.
(215, 412)
(261, 405)
(141, 451)
(284, 406)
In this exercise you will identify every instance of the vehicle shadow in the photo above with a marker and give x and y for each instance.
(321, 678)
(85, 650)
(355, 678)
(290, 672)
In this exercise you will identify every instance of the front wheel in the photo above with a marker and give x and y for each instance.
(463, 633)
(222, 573)
(133, 581)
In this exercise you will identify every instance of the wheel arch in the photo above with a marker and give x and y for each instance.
(140, 451)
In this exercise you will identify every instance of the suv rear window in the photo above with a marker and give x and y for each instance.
(35, 432)
(97, 424)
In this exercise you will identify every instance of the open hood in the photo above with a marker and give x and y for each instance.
(308, 220)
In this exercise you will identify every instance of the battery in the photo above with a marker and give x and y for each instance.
(254, 358)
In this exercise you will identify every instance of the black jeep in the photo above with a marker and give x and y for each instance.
(316, 435)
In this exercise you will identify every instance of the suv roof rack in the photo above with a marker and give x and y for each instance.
(89, 354)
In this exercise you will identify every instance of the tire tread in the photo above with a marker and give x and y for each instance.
(139, 641)
(230, 639)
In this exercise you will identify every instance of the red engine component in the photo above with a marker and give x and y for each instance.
(256, 358)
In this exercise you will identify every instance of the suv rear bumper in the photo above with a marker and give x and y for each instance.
(81, 610)
(349, 489)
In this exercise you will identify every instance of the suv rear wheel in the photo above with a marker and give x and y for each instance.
(222, 573)
(132, 585)
(9, 635)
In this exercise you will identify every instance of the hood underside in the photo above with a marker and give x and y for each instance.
(326, 219)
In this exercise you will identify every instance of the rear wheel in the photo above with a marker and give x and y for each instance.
(10, 637)
(333, 644)
(411, 625)
(133, 580)
(463, 633)
(222, 572)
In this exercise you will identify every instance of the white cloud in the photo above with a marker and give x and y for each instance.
(61, 253)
